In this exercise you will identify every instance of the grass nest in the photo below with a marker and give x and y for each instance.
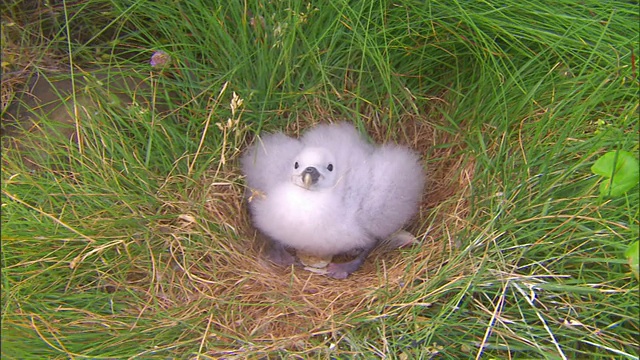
(250, 298)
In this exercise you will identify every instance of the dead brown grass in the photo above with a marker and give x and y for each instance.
(249, 298)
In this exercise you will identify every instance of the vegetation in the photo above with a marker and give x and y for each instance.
(124, 233)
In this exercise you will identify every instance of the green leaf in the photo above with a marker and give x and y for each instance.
(620, 170)
(632, 254)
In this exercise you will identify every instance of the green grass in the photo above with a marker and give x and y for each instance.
(132, 243)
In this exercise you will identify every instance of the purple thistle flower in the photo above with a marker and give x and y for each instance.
(159, 59)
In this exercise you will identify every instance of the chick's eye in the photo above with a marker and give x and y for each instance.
(330, 167)
(296, 165)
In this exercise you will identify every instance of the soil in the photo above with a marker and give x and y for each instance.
(50, 109)
(54, 100)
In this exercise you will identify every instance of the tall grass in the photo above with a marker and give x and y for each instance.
(131, 241)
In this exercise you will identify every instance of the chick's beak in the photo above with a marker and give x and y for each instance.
(307, 180)
(310, 176)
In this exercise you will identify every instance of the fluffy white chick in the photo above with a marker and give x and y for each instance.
(330, 192)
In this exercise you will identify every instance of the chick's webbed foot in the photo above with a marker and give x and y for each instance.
(279, 255)
(343, 270)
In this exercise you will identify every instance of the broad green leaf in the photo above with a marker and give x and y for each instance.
(632, 254)
(620, 170)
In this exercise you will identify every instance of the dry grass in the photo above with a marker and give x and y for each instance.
(251, 298)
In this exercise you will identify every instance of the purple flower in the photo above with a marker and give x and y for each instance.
(159, 59)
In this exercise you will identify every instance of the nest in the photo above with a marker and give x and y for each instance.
(252, 299)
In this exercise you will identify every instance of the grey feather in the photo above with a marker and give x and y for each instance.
(331, 192)
(394, 190)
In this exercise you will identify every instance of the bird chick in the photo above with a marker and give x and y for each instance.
(329, 193)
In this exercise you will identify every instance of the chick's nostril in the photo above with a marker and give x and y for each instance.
(313, 172)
